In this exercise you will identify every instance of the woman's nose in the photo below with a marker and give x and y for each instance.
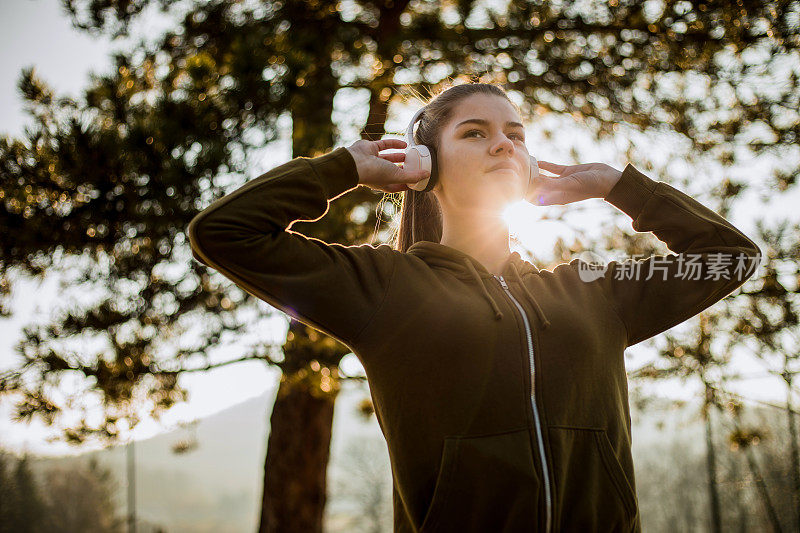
(504, 144)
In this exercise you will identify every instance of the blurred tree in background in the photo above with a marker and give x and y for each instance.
(23, 508)
(769, 328)
(100, 190)
(81, 500)
(74, 499)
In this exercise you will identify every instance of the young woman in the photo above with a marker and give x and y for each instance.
(500, 388)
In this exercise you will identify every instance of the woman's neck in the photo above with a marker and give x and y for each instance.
(483, 237)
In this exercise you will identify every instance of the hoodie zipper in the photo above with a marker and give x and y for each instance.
(533, 403)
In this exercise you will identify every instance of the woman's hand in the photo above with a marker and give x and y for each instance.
(378, 171)
(572, 183)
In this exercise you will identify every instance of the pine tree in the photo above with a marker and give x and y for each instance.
(113, 179)
(29, 514)
(7, 494)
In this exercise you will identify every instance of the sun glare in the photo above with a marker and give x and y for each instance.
(515, 213)
(533, 229)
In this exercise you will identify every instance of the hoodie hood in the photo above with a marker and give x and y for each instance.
(467, 268)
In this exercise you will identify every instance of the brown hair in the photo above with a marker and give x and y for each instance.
(420, 213)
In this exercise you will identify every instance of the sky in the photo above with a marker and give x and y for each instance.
(35, 33)
(39, 34)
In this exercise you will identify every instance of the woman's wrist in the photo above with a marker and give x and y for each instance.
(357, 159)
(610, 180)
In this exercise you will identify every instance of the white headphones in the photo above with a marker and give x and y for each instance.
(420, 157)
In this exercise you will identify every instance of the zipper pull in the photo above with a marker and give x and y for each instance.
(502, 282)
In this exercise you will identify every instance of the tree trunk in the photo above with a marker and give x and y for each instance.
(301, 421)
(794, 450)
(738, 486)
(295, 469)
(763, 493)
(762, 490)
(297, 461)
(711, 467)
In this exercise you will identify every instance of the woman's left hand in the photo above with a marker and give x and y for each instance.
(572, 183)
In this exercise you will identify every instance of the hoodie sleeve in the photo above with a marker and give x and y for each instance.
(712, 258)
(244, 235)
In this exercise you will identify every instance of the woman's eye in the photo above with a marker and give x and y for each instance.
(517, 135)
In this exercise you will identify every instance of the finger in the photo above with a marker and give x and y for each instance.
(397, 188)
(545, 181)
(413, 176)
(386, 144)
(550, 174)
(396, 157)
(565, 169)
(553, 170)
(552, 167)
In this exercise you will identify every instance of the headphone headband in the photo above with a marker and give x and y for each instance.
(409, 131)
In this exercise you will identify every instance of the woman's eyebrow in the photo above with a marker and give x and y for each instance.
(486, 123)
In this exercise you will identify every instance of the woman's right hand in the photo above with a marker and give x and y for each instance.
(379, 171)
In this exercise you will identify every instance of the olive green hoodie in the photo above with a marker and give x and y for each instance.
(503, 400)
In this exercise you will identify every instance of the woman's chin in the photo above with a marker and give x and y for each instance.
(495, 197)
(505, 193)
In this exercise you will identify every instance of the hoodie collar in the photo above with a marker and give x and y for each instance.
(466, 267)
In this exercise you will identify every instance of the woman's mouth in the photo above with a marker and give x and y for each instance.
(504, 166)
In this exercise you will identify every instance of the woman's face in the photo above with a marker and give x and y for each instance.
(470, 152)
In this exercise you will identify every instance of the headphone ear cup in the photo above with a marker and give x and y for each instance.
(534, 173)
(418, 157)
